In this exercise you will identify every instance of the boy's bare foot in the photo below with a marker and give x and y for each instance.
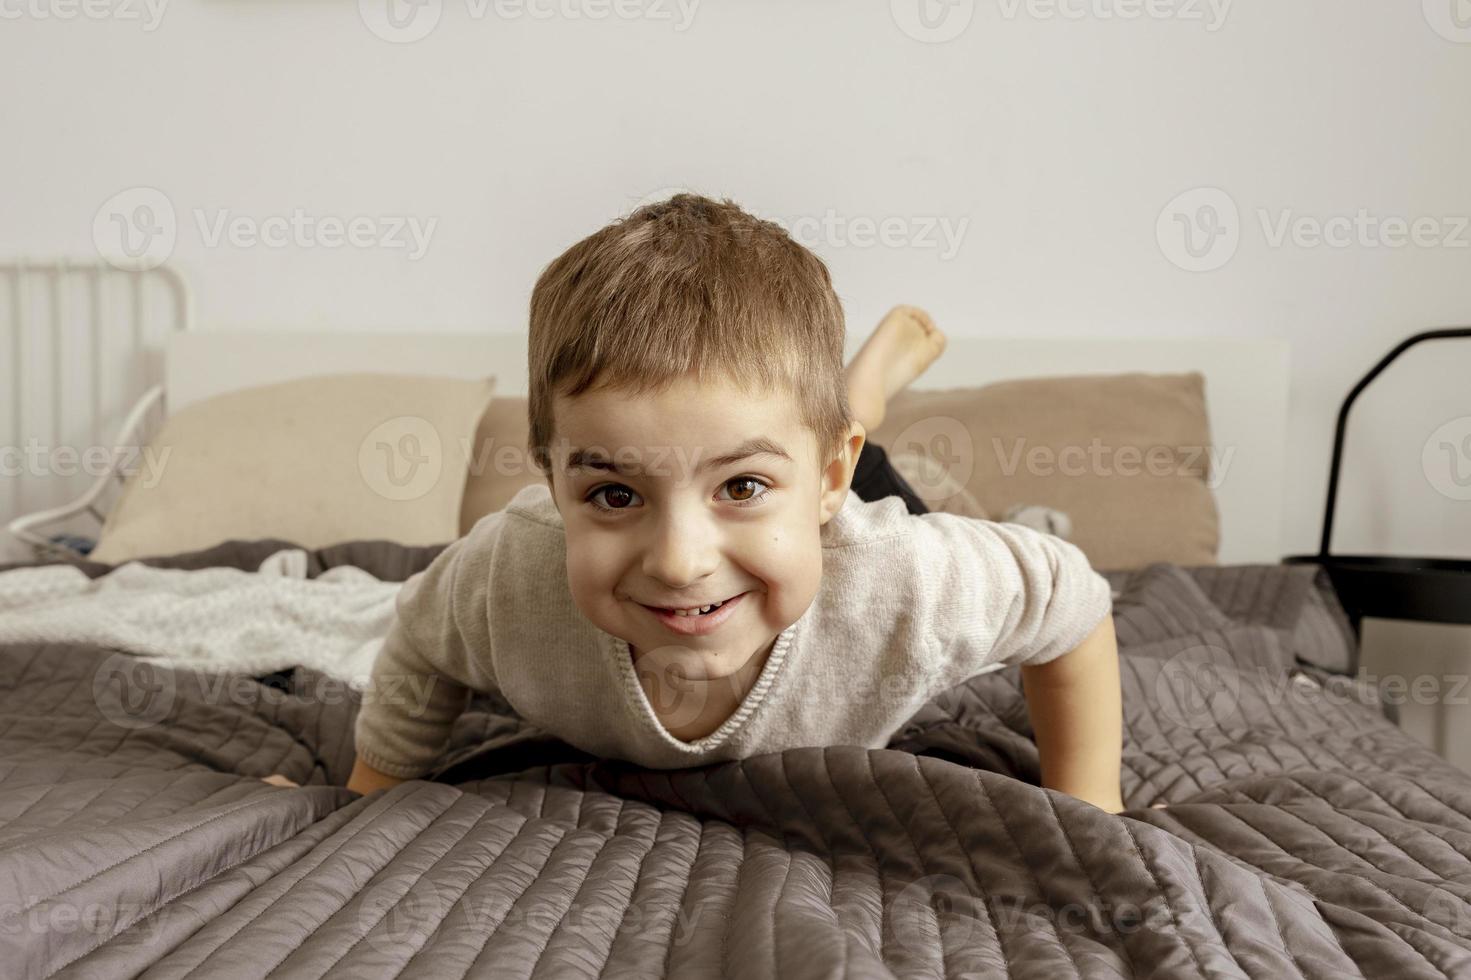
(905, 342)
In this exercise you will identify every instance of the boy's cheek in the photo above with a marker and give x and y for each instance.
(792, 580)
(590, 573)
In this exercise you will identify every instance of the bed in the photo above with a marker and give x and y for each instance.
(1278, 823)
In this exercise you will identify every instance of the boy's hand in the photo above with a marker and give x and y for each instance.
(365, 779)
(1077, 716)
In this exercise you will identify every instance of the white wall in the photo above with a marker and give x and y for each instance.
(1059, 140)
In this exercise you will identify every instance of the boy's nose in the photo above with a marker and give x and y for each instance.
(684, 549)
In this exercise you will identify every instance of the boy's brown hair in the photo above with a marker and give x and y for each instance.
(688, 284)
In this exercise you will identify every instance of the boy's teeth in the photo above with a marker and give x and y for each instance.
(697, 610)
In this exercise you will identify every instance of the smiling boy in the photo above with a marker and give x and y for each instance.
(697, 582)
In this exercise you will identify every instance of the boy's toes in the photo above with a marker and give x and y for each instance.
(923, 329)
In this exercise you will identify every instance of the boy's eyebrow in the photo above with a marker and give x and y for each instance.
(594, 459)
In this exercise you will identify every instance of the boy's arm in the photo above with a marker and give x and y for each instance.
(1077, 718)
(1000, 594)
(365, 779)
(436, 653)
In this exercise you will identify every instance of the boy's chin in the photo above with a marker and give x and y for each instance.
(707, 661)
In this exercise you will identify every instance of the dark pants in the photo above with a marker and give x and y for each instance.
(875, 479)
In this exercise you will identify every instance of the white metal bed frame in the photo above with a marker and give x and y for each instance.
(44, 531)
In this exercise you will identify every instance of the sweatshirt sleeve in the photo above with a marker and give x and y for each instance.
(437, 652)
(998, 594)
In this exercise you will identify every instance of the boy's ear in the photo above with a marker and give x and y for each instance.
(837, 476)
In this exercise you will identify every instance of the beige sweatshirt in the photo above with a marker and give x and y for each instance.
(909, 606)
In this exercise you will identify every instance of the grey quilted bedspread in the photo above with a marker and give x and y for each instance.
(1305, 835)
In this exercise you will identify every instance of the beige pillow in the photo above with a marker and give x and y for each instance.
(499, 463)
(315, 462)
(1126, 457)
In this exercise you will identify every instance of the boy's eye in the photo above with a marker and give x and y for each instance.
(618, 497)
(746, 485)
(745, 489)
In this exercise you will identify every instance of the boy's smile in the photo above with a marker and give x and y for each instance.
(699, 495)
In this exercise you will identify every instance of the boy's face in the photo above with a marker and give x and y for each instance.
(690, 496)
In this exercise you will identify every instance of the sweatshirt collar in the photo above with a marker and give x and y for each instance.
(638, 702)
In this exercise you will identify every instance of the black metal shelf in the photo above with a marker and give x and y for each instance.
(1436, 590)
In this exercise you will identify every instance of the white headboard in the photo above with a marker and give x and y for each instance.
(1245, 380)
